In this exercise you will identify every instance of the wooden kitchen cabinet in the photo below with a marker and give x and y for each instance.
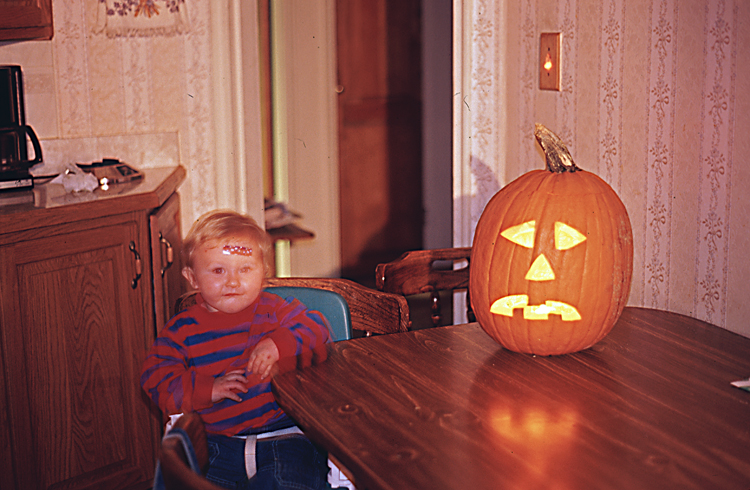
(166, 250)
(31, 19)
(78, 312)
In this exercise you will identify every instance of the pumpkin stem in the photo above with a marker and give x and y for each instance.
(558, 156)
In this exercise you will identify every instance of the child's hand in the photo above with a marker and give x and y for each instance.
(223, 386)
(263, 357)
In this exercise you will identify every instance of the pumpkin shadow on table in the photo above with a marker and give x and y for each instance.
(534, 422)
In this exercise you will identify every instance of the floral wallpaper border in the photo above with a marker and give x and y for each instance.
(717, 137)
(659, 138)
(146, 18)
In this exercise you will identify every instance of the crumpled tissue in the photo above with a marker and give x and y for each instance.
(74, 179)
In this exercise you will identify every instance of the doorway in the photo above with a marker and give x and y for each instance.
(379, 68)
(388, 206)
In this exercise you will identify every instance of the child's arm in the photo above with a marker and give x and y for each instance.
(168, 378)
(263, 357)
(227, 386)
(295, 331)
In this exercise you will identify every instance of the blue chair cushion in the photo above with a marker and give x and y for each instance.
(332, 305)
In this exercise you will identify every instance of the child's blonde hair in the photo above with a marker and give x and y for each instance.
(223, 223)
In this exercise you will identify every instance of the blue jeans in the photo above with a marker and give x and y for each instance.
(287, 462)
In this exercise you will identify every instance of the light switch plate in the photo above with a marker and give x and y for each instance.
(550, 57)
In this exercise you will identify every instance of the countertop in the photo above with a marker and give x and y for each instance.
(48, 204)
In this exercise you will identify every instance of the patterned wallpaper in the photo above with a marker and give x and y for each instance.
(654, 100)
(144, 97)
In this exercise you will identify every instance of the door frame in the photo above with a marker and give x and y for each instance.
(235, 79)
(462, 185)
(306, 163)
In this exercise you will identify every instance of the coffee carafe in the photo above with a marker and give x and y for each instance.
(15, 134)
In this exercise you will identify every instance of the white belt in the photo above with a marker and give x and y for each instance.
(250, 441)
(335, 477)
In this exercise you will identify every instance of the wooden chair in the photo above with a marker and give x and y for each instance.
(174, 462)
(427, 271)
(371, 311)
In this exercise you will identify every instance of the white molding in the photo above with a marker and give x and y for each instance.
(279, 62)
(462, 34)
(462, 189)
(240, 160)
(306, 137)
(222, 104)
(235, 81)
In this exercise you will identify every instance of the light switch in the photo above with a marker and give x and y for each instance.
(550, 44)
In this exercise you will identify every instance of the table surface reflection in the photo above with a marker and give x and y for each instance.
(648, 407)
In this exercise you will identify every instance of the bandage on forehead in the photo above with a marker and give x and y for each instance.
(236, 250)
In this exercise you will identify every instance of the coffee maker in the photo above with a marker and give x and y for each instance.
(15, 134)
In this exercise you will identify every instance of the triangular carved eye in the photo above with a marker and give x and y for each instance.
(522, 234)
(566, 236)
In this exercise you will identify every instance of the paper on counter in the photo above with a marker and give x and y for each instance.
(74, 179)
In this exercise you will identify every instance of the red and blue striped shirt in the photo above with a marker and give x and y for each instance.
(197, 346)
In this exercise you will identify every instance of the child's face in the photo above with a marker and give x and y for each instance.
(228, 272)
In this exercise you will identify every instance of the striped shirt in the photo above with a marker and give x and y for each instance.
(197, 346)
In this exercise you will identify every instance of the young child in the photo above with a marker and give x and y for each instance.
(215, 358)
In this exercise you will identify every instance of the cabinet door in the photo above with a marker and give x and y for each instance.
(73, 339)
(31, 19)
(166, 250)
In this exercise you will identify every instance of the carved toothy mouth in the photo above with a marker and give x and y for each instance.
(505, 306)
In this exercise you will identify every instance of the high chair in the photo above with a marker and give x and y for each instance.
(347, 306)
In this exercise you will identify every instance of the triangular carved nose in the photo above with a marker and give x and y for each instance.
(540, 270)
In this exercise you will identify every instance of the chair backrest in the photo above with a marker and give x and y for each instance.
(370, 311)
(332, 305)
(427, 271)
(174, 463)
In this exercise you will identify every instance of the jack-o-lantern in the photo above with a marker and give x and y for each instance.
(552, 258)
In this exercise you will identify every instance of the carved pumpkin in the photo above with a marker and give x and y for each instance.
(552, 258)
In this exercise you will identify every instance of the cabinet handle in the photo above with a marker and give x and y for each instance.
(170, 254)
(138, 266)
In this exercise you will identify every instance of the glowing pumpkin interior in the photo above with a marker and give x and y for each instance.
(566, 237)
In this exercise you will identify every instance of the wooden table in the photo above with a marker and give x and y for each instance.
(649, 407)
